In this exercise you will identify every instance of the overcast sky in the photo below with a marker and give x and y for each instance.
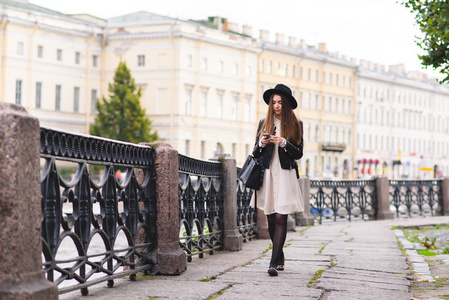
(382, 31)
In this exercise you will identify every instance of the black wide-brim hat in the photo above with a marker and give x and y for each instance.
(283, 90)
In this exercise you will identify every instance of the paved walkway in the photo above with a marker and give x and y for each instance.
(360, 260)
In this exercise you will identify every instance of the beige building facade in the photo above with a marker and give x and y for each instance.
(202, 84)
(202, 81)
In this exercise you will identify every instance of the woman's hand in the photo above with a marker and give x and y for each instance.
(264, 141)
(276, 140)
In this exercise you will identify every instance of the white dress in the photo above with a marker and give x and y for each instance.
(280, 192)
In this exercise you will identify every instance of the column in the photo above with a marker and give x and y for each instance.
(233, 240)
(21, 273)
(305, 218)
(383, 198)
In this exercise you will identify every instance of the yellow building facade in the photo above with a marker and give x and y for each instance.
(202, 81)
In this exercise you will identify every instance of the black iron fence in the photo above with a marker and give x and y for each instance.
(90, 226)
(342, 200)
(416, 197)
(246, 213)
(333, 200)
(200, 206)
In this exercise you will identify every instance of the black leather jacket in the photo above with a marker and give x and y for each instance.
(287, 155)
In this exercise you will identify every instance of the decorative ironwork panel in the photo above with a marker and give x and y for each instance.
(200, 206)
(246, 214)
(343, 199)
(416, 197)
(95, 230)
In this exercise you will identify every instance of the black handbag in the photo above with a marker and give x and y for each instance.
(251, 173)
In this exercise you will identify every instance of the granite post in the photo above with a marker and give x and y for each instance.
(171, 259)
(383, 199)
(233, 240)
(445, 192)
(21, 274)
(305, 218)
(262, 225)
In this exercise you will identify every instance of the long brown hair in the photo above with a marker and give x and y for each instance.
(290, 126)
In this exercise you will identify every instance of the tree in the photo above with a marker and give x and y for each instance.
(432, 16)
(122, 118)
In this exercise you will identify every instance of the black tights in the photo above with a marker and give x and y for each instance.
(277, 228)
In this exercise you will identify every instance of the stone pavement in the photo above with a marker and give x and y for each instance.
(360, 260)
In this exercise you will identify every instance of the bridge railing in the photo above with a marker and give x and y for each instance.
(246, 212)
(131, 218)
(200, 206)
(417, 197)
(343, 199)
(90, 225)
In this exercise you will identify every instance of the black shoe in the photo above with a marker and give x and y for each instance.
(281, 267)
(272, 271)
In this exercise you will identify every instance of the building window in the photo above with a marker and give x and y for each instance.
(235, 107)
(59, 55)
(203, 150)
(40, 51)
(300, 72)
(317, 76)
(262, 65)
(188, 101)
(220, 105)
(248, 71)
(140, 60)
(203, 104)
(93, 102)
(204, 63)
(220, 66)
(220, 149)
(330, 78)
(270, 67)
(58, 97)
(294, 71)
(189, 61)
(38, 94)
(236, 69)
(234, 150)
(19, 91)
(187, 147)
(309, 74)
(95, 60)
(324, 77)
(337, 78)
(20, 48)
(77, 58)
(76, 99)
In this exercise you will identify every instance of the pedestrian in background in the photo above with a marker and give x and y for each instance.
(279, 143)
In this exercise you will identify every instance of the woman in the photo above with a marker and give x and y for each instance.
(279, 143)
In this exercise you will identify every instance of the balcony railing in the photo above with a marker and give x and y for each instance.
(333, 147)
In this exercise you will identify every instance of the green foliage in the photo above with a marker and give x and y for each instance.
(315, 277)
(432, 17)
(426, 252)
(121, 117)
(429, 243)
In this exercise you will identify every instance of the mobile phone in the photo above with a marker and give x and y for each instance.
(266, 135)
